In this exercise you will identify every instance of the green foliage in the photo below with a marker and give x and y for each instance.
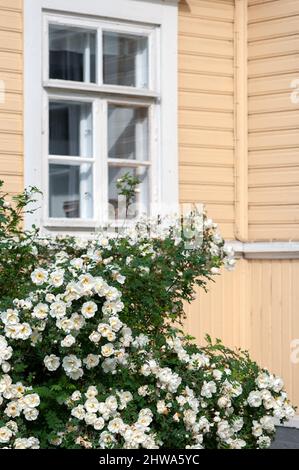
(127, 186)
(17, 246)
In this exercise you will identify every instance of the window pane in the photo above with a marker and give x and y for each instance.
(139, 203)
(70, 131)
(70, 191)
(127, 132)
(125, 59)
(72, 53)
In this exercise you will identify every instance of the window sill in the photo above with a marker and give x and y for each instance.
(100, 89)
(71, 223)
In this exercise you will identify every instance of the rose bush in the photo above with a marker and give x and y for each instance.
(92, 355)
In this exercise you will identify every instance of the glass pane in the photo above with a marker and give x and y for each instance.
(125, 59)
(70, 129)
(139, 203)
(127, 132)
(72, 53)
(70, 191)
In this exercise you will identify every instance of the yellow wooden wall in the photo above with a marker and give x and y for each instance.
(206, 104)
(255, 307)
(11, 107)
(273, 63)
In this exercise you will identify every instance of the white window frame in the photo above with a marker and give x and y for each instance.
(134, 16)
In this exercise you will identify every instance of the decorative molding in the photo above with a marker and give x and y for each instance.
(266, 250)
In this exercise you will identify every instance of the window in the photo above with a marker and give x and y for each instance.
(102, 99)
(107, 108)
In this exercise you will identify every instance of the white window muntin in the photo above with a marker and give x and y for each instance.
(151, 162)
(100, 26)
(67, 160)
(101, 96)
(99, 159)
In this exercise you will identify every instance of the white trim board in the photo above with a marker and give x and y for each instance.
(266, 250)
(143, 12)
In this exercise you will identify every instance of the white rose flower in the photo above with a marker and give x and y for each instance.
(237, 444)
(161, 407)
(115, 425)
(78, 412)
(267, 423)
(50, 297)
(78, 321)
(89, 309)
(9, 317)
(13, 409)
(115, 323)
(109, 365)
(254, 399)
(208, 389)
(75, 374)
(68, 341)
(224, 402)
(40, 311)
(104, 329)
(263, 380)
(92, 360)
(24, 331)
(77, 263)
(91, 405)
(257, 429)
(31, 401)
(39, 276)
(76, 395)
(289, 412)
(111, 336)
(71, 363)
(98, 424)
(224, 430)
(58, 309)
(12, 426)
(217, 374)
(90, 418)
(106, 439)
(91, 392)
(86, 282)
(237, 424)
(264, 442)
(56, 278)
(277, 384)
(52, 362)
(95, 337)
(5, 434)
(125, 397)
(31, 414)
(111, 403)
(143, 390)
(107, 350)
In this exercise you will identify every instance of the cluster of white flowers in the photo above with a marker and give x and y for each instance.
(9, 440)
(105, 417)
(5, 354)
(111, 338)
(17, 400)
(15, 329)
